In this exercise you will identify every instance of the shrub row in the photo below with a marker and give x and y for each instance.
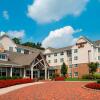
(8, 77)
(7, 83)
(98, 81)
(59, 78)
(93, 86)
(95, 76)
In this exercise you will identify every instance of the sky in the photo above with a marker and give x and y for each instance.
(54, 23)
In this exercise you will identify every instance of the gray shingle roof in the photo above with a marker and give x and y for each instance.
(97, 43)
(56, 50)
(7, 63)
(22, 59)
(29, 48)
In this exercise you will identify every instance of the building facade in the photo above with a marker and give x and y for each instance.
(76, 57)
(23, 61)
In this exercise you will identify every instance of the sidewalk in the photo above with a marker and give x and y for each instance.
(15, 87)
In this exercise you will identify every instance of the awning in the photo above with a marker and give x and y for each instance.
(54, 67)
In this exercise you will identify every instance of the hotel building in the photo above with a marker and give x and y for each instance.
(18, 60)
(76, 57)
(23, 61)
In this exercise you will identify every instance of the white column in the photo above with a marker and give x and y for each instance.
(20, 72)
(24, 73)
(45, 72)
(31, 72)
(38, 73)
(11, 72)
(48, 74)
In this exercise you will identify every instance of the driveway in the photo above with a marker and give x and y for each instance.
(53, 91)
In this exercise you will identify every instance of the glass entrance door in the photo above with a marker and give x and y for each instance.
(35, 74)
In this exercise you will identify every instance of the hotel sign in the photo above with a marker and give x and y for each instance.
(81, 45)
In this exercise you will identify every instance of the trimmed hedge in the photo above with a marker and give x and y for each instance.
(98, 81)
(93, 86)
(95, 76)
(10, 82)
(86, 76)
(8, 77)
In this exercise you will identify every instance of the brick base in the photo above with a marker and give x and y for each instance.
(82, 69)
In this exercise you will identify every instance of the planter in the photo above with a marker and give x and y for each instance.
(7, 83)
(59, 78)
(93, 86)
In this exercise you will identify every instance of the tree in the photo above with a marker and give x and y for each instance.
(17, 40)
(30, 44)
(93, 67)
(33, 45)
(64, 69)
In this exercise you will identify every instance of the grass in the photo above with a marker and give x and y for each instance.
(76, 79)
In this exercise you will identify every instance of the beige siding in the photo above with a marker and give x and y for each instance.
(7, 42)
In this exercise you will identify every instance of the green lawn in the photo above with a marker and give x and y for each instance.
(76, 79)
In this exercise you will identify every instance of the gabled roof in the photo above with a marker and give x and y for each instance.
(21, 59)
(97, 43)
(4, 36)
(8, 63)
(56, 50)
(29, 48)
(88, 40)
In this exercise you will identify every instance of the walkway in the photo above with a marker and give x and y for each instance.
(15, 87)
(53, 91)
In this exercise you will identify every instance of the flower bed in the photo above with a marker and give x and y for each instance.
(93, 86)
(7, 83)
(59, 78)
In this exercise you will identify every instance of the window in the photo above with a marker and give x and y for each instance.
(55, 60)
(3, 56)
(75, 50)
(18, 50)
(16, 71)
(62, 53)
(26, 51)
(75, 58)
(70, 74)
(3, 71)
(49, 55)
(11, 49)
(28, 73)
(69, 53)
(98, 57)
(62, 60)
(76, 74)
(70, 59)
(49, 61)
(55, 54)
(70, 66)
(98, 49)
(75, 65)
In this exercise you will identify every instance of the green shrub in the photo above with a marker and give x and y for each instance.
(98, 81)
(4, 78)
(8, 77)
(54, 76)
(86, 76)
(96, 76)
